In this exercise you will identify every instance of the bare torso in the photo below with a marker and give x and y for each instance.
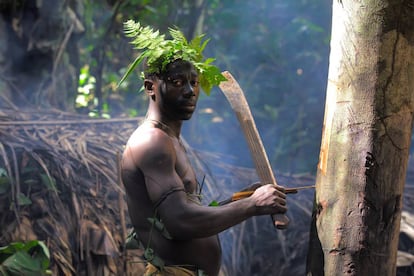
(160, 182)
(203, 253)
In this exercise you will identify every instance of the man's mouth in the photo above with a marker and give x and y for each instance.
(189, 104)
(191, 107)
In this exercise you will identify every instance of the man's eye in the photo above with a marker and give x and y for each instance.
(194, 83)
(177, 82)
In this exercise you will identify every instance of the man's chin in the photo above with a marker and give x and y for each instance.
(187, 114)
(187, 117)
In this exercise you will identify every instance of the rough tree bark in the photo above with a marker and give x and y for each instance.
(366, 139)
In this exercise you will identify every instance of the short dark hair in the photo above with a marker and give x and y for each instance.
(163, 73)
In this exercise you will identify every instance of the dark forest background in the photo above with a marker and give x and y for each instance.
(70, 55)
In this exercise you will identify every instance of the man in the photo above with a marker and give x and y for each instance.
(179, 235)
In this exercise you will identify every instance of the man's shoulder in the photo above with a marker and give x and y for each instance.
(148, 137)
(149, 143)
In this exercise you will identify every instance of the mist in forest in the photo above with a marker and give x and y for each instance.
(279, 55)
(277, 51)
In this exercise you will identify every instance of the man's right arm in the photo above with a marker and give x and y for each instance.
(184, 219)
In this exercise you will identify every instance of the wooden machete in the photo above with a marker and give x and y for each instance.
(238, 102)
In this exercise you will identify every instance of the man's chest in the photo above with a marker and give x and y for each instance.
(184, 169)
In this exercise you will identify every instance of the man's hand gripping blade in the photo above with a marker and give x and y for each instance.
(238, 102)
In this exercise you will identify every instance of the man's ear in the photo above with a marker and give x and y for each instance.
(149, 86)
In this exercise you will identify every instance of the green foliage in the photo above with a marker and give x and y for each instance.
(86, 98)
(86, 86)
(159, 52)
(29, 258)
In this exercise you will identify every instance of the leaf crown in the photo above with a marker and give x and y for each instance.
(159, 52)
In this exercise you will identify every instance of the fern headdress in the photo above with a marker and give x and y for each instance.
(158, 52)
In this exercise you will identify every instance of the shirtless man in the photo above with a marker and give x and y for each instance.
(177, 233)
(161, 185)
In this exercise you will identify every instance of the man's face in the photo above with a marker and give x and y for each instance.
(179, 90)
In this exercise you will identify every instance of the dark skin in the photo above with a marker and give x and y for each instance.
(155, 166)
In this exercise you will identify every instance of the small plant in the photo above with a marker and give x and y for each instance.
(25, 258)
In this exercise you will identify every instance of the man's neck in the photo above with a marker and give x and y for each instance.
(172, 128)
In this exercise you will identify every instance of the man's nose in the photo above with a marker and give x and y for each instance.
(188, 89)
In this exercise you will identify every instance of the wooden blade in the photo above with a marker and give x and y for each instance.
(238, 102)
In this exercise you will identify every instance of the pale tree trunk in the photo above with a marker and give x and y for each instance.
(366, 139)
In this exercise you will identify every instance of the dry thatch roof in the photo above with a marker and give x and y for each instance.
(65, 189)
(68, 170)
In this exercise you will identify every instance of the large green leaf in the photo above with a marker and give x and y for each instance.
(30, 258)
(21, 263)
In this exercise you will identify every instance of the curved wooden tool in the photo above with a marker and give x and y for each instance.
(238, 102)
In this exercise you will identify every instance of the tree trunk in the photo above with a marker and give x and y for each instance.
(366, 139)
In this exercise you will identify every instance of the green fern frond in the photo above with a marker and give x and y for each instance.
(178, 36)
(159, 52)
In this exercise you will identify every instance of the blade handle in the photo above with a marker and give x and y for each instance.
(280, 221)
